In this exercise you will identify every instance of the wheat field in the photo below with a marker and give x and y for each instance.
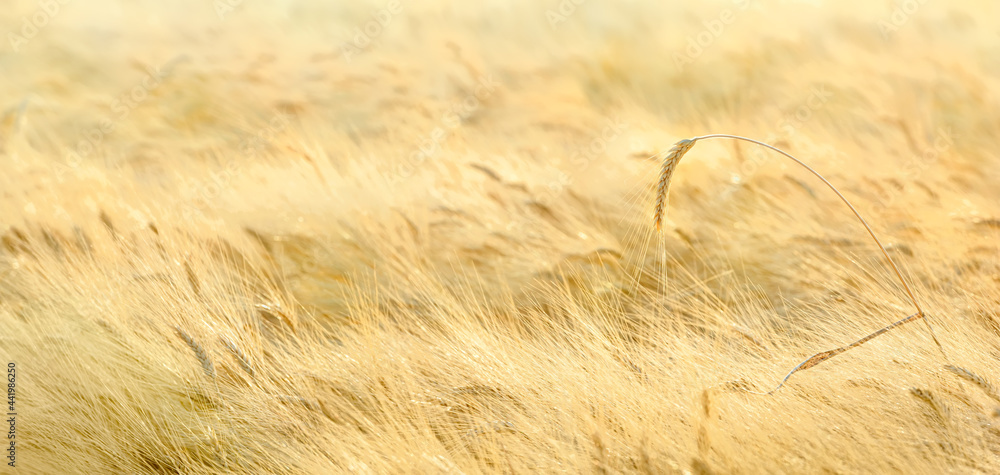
(418, 237)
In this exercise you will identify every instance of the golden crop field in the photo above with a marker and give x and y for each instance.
(391, 236)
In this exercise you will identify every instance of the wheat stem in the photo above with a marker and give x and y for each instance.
(683, 146)
(871, 232)
(821, 357)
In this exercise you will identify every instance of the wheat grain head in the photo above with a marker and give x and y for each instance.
(238, 354)
(976, 379)
(936, 404)
(669, 163)
(199, 352)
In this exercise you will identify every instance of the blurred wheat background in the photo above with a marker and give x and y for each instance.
(417, 237)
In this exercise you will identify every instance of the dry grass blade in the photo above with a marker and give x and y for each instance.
(199, 352)
(685, 145)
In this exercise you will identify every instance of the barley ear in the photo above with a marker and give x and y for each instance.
(199, 352)
(241, 357)
(976, 379)
(669, 163)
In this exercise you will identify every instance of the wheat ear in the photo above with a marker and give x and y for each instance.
(976, 379)
(199, 352)
(685, 145)
(939, 407)
(669, 163)
(241, 357)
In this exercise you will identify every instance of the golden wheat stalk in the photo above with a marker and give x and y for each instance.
(685, 145)
(823, 356)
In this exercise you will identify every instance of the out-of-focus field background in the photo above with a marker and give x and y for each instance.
(322, 237)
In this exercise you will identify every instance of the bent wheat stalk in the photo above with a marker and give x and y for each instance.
(682, 147)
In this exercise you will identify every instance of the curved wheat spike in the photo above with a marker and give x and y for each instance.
(976, 379)
(199, 352)
(669, 163)
(240, 356)
(683, 146)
